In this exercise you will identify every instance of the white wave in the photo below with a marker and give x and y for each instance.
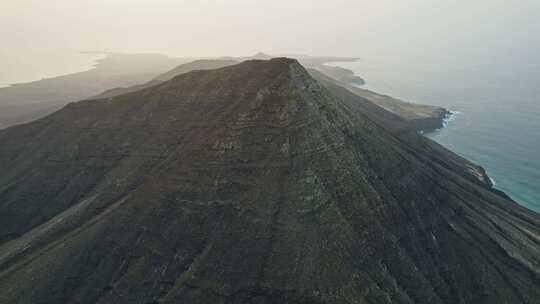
(450, 117)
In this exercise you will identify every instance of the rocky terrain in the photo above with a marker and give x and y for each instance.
(422, 118)
(201, 64)
(260, 182)
(118, 74)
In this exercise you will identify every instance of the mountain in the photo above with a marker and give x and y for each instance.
(415, 116)
(113, 75)
(120, 73)
(252, 183)
(261, 56)
(405, 127)
(25, 102)
(201, 64)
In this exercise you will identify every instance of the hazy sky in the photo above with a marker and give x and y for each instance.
(405, 30)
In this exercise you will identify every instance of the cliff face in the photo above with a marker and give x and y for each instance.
(416, 117)
(420, 117)
(252, 183)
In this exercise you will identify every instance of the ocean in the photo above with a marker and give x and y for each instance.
(497, 114)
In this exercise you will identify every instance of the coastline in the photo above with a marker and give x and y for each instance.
(435, 123)
(440, 119)
(340, 74)
(432, 118)
(421, 118)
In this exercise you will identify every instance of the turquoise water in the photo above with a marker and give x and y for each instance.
(497, 124)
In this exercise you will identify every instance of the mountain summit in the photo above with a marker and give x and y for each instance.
(251, 183)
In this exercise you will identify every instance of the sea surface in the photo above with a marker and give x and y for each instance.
(497, 113)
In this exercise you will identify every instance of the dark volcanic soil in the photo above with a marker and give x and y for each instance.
(252, 183)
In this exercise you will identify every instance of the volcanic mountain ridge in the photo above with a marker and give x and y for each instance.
(252, 183)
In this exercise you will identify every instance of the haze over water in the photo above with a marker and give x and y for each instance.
(498, 109)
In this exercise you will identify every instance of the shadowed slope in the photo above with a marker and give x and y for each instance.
(197, 65)
(405, 128)
(248, 184)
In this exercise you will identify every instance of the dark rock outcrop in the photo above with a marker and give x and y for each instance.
(250, 184)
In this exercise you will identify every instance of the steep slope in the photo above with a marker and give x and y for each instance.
(415, 116)
(201, 64)
(248, 184)
(401, 125)
(119, 74)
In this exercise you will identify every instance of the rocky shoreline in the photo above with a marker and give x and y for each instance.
(433, 123)
(423, 119)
